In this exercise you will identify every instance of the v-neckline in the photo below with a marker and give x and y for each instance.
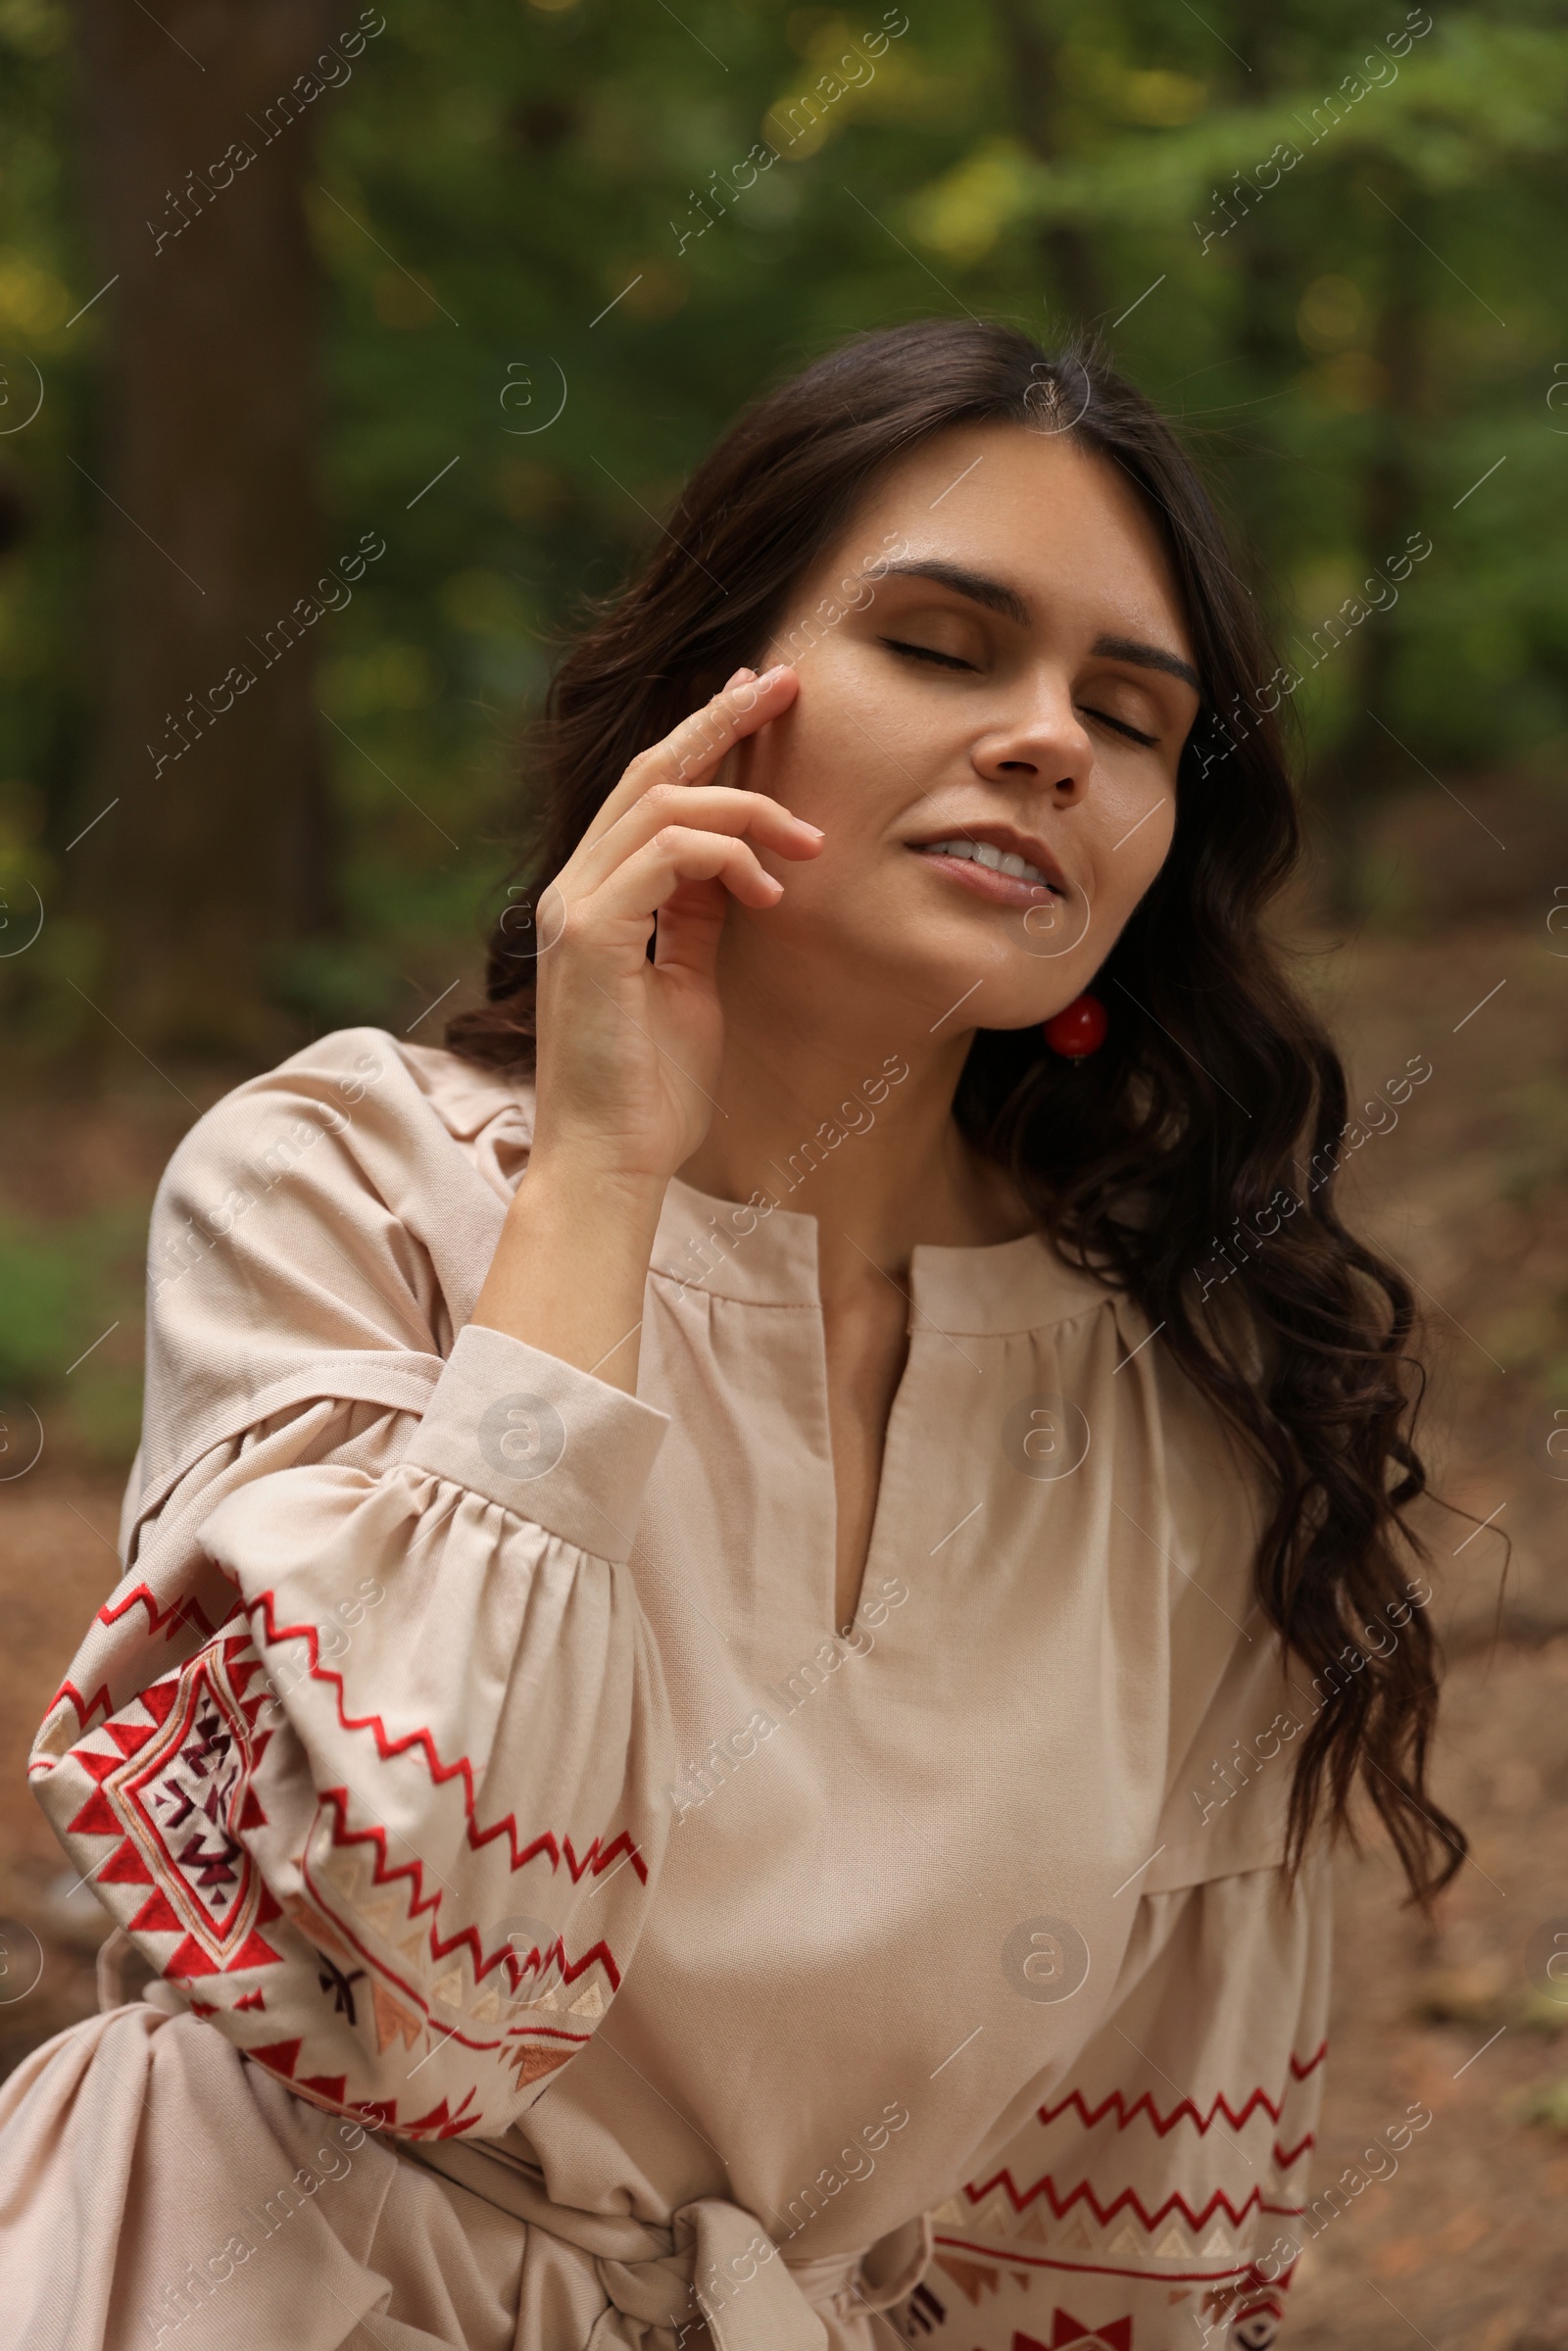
(842, 1620)
(736, 1255)
(730, 1250)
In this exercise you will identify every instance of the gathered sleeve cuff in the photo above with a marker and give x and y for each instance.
(537, 1437)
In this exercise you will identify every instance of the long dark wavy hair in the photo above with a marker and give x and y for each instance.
(1157, 1164)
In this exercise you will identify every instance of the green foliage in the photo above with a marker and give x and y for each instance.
(518, 203)
(45, 674)
(66, 1288)
(1546, 2103)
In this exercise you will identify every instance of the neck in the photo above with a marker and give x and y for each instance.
(850, 1120)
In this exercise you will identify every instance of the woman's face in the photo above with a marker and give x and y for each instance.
(1016, 686)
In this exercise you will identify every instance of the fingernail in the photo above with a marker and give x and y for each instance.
(806, 826)
(738, 678)
(768, 675)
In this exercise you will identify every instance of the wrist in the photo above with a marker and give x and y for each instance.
(570, 1266)
(583, 1188)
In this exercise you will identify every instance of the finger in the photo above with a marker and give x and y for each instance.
(639, 886)
(694, 748)
(710, 808)
(691, 751)
(690, 926)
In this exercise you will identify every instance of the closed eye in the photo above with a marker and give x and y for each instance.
(925, 653)
(951, 661)
(1122, 726)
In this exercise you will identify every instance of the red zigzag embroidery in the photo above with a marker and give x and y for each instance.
(167, 1621)
(186, 1611)
(336, 1798)
(440, 1773)
(1127, 2201)
(1186, 2111)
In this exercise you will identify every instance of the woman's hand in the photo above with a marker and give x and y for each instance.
(628, 1049)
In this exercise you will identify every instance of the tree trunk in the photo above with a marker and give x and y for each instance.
(215, 853)
(1263, 332)
(1351, 781)
(1029, 56)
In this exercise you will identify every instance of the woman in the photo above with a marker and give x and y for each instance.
(752, 1596)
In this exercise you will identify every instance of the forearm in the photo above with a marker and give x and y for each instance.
(569, 1269)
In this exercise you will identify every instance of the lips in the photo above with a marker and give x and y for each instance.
(996, 863)
(985, 853)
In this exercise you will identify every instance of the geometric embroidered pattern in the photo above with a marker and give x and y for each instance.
(167, 1828)
(1243, 2313)
(1116, 2336)
(1170, 2227)
(1122, 2212)
(173, 1777)
(130, 1658)
(173, 1789)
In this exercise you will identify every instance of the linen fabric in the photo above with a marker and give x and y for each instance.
(603, 1949)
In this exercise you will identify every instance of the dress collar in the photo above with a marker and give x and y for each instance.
(763, 1256)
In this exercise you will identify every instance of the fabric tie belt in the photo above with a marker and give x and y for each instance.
(714, 2263)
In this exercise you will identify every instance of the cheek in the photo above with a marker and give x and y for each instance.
(1133, 837)
(837, 757)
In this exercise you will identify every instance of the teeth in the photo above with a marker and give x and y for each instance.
(981, 852)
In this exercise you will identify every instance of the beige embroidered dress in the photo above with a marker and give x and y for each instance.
(570, 1940)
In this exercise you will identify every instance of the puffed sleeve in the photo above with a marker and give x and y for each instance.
(1153, 2201)
(365, 1751)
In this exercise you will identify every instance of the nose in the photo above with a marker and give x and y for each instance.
(1044, 743)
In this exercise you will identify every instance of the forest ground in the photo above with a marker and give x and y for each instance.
(1464, 2248)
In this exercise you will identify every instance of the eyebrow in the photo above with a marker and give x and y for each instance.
(978, 586)
(981, 588)
(1148, 657)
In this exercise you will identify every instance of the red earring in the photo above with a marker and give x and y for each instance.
(1079, 1028)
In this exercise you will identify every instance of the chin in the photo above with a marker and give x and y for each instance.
(894, 960)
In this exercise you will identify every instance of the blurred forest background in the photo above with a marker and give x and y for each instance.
(458, 293)
(417, 267)
(475, 286)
